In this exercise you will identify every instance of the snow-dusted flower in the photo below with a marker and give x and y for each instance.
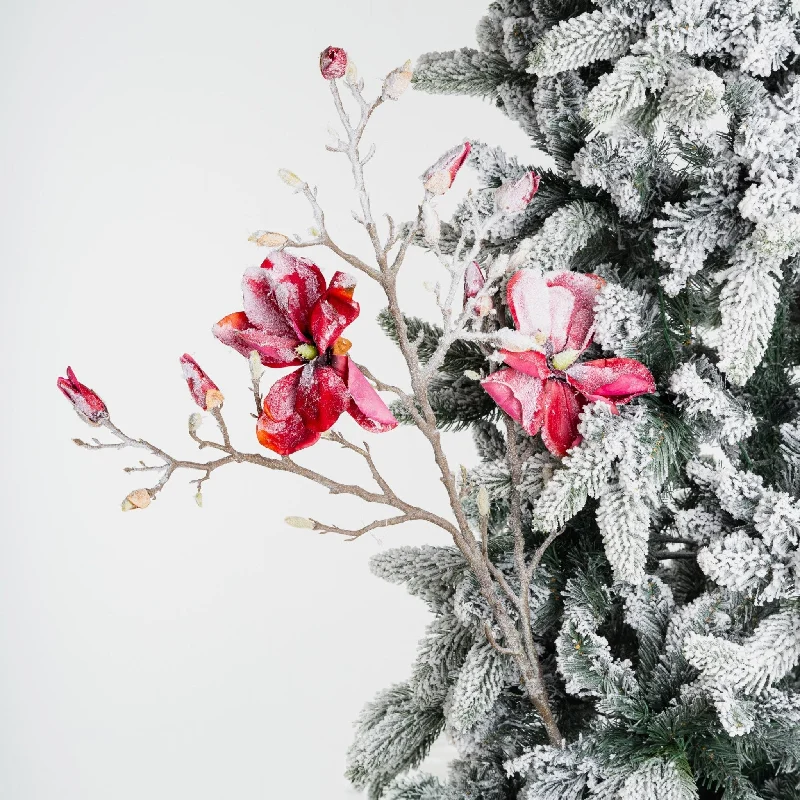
(332, 63)
(89, 407)
(204, 391)
(397, 81)
(291, 318)
(544, 388)
(438, 178)
(514, 196)
(138, 498)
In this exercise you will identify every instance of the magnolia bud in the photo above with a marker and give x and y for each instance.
(203, 390)
(195, 421)
(351, 73)
(87, 404)
(198, 498)
(397, 81)
(256, 367)
(438, 178)
(289, 178)
(431, 227)
(332, 63)
(138, 498)
(472, 375)
(514, 196)
(473, 280)
(268, 239)
(300, 522)
(483, 501)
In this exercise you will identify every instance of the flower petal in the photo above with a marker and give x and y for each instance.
(572, 296)
(280, 428)
(296, 284)
(611, 379)
(529, 301)
(236, 331)
(519, 395)
(261, 307)
(366, 405)
(530, 362)
(562, 407)
(321, 397)
(334, 311)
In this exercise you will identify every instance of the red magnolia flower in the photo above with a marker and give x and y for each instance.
(545, 389)
(204, 391)
(291, 318)
(86, 403)
(332, 63)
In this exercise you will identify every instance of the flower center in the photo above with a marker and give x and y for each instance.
(306, 351)
(564, 359)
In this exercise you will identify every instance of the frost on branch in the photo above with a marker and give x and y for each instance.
(623, 461)
(620, 319)
(730, 669)
(564, 234)
(700, 393)
(581, 40)
(763, 558)
(477, 687)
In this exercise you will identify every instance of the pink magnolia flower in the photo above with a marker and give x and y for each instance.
(86, 403)
(439, 177)
(204, 391)
(544, 389)
(332, 63)
(291, 318)
(514, 196)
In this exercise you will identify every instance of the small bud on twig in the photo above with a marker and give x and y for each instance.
(198, 498)
(431, 227)
(195, 421)
(289, 178)
(332, 63)
(256, 367)
(397, 81)
(87, 404)
(484, 506)
(472, 375)
(439, 177)
(300, 522)
(268, 239)
(138, 498)
(204, 391)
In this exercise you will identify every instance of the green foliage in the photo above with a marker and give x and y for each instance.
(464, 71)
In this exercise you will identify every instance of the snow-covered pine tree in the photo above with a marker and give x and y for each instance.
(666, 609)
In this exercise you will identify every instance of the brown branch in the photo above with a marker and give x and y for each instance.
(506, 651)
(355, 534)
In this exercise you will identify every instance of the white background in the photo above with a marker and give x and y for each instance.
(181, 652)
